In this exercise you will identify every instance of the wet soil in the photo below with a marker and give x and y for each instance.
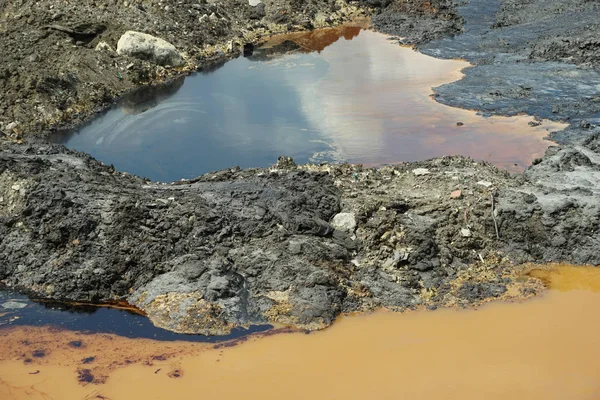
(268, 245)
(544, 348)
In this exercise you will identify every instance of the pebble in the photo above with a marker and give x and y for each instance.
(421, 171)
(16, 187)
(464, 232)
(345, 222)
(457, 194)
(10, 127)
(485, 183)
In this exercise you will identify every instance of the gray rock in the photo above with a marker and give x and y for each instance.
(345, 222)
(150, 48)
(421, 171)
(11, 127)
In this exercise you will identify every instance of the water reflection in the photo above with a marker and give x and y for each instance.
(18, 310)
(328, 95)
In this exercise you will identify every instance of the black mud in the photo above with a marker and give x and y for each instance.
(299, 245)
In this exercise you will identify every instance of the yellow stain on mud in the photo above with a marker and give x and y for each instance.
(545, 348)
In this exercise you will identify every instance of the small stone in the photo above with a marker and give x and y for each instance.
(129, 66)
(16, 187)
(13, 305)
(460, 124)
(464, 232)
(457, 194)
(12, 126)
(203, 18)
(103, 46)
(485, 183)
(344, 222)
(421, 171)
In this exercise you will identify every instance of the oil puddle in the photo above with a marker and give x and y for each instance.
(17, 309)
(545, 348)
(342, 94)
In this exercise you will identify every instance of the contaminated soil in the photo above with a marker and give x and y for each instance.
(498, 351)
(293, 245)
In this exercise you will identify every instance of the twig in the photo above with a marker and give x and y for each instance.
(494, 216)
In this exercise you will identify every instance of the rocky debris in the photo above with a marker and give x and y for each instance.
(147, 47)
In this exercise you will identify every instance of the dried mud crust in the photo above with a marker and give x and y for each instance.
(241, 247)
(53, 74)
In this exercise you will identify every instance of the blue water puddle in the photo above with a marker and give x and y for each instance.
(17, 309)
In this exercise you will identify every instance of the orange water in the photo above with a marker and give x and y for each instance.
(545, 348)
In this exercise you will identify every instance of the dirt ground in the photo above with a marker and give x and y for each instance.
(291, 244)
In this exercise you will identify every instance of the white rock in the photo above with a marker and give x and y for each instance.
(103, 46)
(148, 47)
(485, 183)
(421, 171)
(12, 126)
(465, 232)
(344, 222)
(254, 3)
(16, 187)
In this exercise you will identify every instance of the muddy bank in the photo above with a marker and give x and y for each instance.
(299, 245)
(291, 245)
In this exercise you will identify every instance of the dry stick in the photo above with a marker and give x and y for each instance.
(494, 216)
